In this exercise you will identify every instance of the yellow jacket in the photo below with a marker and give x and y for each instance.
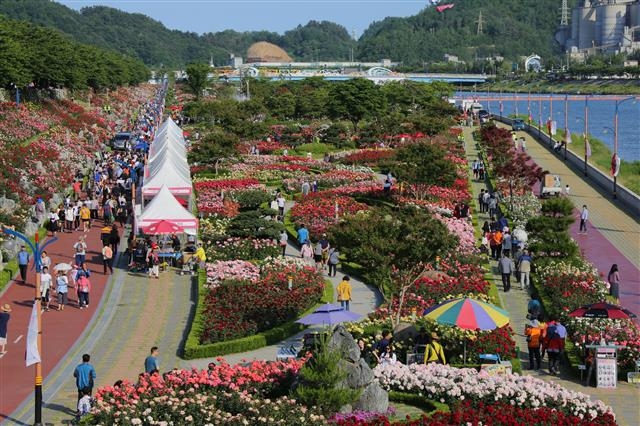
(200, 255)
(344, 291)
(434, 353)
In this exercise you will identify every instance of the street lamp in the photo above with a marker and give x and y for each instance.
(615, 160)
(587, 148)
(567, 138)
(37, 252)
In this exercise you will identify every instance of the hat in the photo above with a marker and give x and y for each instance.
(435, 336)
(6, 308)
(154, 245)
(534, 323)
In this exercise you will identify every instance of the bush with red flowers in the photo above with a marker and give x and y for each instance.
(318, 211)
(237, 309)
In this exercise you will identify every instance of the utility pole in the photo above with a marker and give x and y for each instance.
(480, 23)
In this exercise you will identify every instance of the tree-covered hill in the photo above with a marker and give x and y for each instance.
(510, 28)
(138, 35)
(41, 57)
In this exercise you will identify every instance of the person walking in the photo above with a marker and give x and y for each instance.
(334, 259)
(114, 239)
(84, 287)
(151, 364)
(533, 333)
(283, 240)
(317, 256)
(85, 376)
(306, 252)
(554, 344)
(281, 203)
(524, 267)
(344, 292)
(45, 288)
(614, 281)
(45, 260)
(4, 324)
(107, 259)
(80, 248)
(506, 243)
(303, 235)
(584, 216)
(23, 262)
(62, 288)
(506, 268)
(85, 217)
(534, 309)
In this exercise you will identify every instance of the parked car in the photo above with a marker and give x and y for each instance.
(517, 124)
(121, 141)
(484, 116)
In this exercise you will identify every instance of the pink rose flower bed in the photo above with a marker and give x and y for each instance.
(231, 270)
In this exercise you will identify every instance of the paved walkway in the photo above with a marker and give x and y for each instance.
(613, 235)
(60, 329)
(624, 399)
(138, 313)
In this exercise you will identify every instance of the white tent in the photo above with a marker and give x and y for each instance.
(165, 206)
(174, 176)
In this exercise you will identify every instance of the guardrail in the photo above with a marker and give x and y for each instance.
(626, 199)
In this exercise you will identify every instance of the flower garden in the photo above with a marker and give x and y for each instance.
(405, 241)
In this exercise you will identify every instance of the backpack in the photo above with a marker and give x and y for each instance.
(552, 332)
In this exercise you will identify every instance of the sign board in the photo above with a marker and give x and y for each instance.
(606, 367)
(496, 369)
(633, 377)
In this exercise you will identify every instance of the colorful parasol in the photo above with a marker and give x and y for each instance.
(163, 227)
(469, 314)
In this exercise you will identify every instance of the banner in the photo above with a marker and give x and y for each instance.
(554, 128)
(33, 354)
(615, 165)
(567, 136)
(587, 148)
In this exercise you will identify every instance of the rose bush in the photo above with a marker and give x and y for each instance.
(317, 211)
(241, 248)
(239, 308)
(451, 385)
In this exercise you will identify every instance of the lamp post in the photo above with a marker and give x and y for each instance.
(587, 148)
(615, 160)
(539, 114)
(37, 252)
(566, 124)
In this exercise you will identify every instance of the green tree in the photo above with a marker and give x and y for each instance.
(320, 379)
(355, 100)
(424, 163)
(550, 230)
(384, 239)
(197, 78)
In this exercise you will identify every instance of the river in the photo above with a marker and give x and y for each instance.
(601, 111)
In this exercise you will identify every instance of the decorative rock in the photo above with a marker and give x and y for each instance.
(404, 331)
(344, 342)
(359, 375)
(373, 399)
(7, 204)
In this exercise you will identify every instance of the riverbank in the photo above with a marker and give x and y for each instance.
(599, 86)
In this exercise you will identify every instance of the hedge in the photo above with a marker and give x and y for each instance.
(419, 401)
(193, 349)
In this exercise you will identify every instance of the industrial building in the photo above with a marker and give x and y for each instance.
(609, 26)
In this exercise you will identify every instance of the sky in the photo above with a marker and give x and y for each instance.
(202, 16)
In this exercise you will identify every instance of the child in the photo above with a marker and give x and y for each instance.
(84, 404)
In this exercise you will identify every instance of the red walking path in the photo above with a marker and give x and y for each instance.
(60, 329)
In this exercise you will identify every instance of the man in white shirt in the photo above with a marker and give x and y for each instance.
(584, 216)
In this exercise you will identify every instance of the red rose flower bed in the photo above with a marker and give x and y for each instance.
(368, 156)
(238, 308)
(318, 211)
(210, 200)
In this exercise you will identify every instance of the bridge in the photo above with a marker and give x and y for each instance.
(378, 79)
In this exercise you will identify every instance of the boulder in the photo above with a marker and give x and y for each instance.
(373, 399)
(344, 342)
(359, 374)
(7, 204)
(404, 331)
(433, 274)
